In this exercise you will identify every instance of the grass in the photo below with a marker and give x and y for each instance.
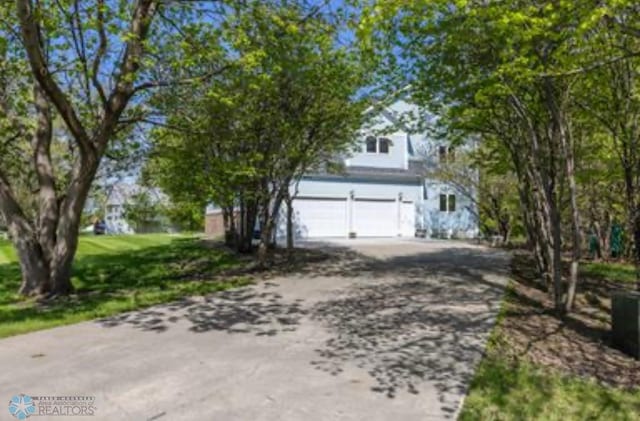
(515, 389)
(502, 391)
(616, 272)
(114, 275)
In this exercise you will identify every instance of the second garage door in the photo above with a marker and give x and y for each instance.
(375, 217)
(320, 217)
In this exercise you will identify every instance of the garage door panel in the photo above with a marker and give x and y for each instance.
(375, 217)
(320, 217)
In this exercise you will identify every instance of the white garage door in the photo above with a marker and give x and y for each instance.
(320, 217)
(375, 217)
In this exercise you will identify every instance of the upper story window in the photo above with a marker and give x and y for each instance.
(446, 154)
(372, 144)
(383, 145)
(378, 145)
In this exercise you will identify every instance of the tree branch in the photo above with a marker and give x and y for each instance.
(33, 45)
(179, 82)
(132, 57)
(102, 49)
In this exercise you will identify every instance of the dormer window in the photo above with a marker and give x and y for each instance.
(446, 154)
(383, 145)
(378, 145)
(372, 144)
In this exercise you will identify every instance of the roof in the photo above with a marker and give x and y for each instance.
(413, 174)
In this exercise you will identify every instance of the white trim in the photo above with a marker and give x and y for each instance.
(320, 196)
(375, 198)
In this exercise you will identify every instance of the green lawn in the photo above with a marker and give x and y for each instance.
(518, 390)
(617, 272)
(113, 275)
(502, 391)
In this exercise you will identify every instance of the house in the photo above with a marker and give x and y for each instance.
(383, 190)
(113, 206)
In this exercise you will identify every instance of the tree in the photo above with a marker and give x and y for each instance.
(611, 96)
(87, 61)
(286, 105)
(143, 212)
(508, 72)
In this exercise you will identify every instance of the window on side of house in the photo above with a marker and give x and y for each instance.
(383, 145)
(371, 144)
(447, 202)
(443, 203)
(452, 203)
(442, 153)
(451, 154)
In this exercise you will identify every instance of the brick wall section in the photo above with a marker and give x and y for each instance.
(214, 225)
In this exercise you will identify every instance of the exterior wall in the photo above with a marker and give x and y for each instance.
(214, 224)
(396, 158)
(462, 223)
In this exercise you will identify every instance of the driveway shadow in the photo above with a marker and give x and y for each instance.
(245, 310)
(408, 320)
(426, 324)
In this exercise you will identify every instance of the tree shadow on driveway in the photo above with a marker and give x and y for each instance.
(414, 322)
(424, 319)
(245, 310)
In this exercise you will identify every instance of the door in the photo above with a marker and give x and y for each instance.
(407, 219)
(320, 217)
(375, 217)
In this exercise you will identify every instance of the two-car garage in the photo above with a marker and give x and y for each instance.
(317, 216)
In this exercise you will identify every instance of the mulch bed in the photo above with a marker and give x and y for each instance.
(578, 344)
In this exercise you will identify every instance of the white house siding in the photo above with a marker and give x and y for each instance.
(396, 158)
(462, 223)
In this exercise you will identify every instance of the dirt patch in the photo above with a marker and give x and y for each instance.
(578, 344)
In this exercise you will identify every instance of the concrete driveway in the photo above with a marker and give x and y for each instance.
(383, 330)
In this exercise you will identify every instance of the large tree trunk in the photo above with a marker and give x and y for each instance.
(47, 195)
(35, 271)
